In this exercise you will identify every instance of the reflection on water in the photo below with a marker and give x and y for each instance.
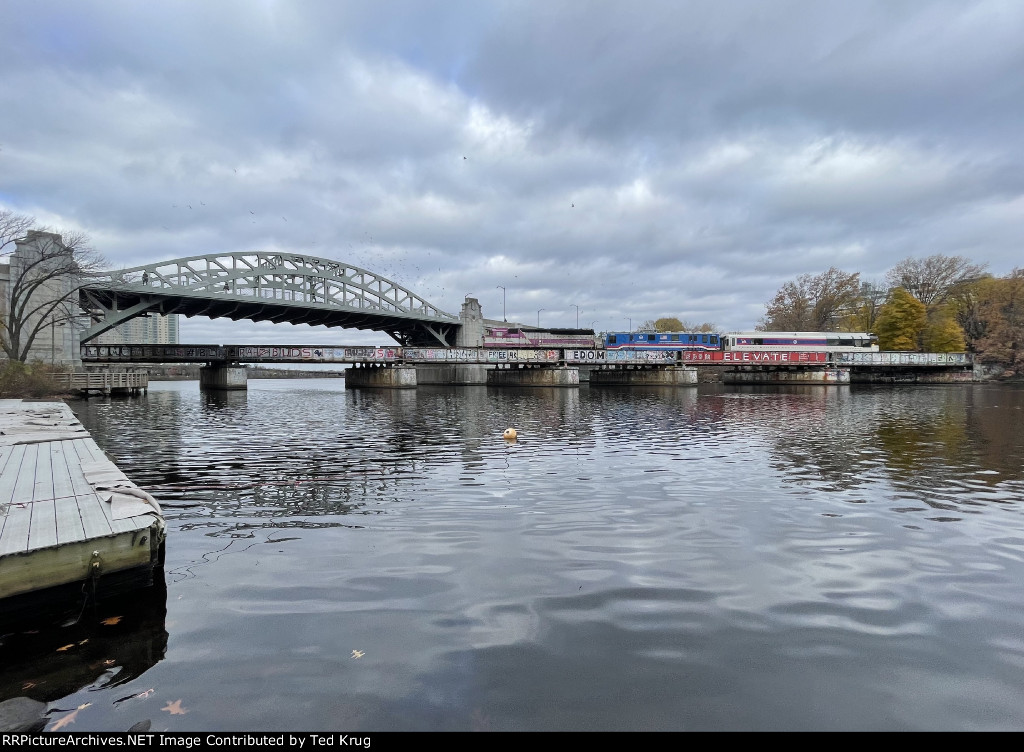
(111, 644)
(709, 558)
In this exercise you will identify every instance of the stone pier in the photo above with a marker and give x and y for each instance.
(795, 376)
(381, 377)
(535, 376)
(457, 375)
(223, 377)
(667, 376)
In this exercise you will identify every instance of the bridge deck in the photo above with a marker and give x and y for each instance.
(500, 355)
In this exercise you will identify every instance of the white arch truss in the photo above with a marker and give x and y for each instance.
(262, 286)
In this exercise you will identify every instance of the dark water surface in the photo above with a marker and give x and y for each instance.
(696, 558)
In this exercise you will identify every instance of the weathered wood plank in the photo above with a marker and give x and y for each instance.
(19, 513)
(43, 532)
(10, 458)
(69, 518)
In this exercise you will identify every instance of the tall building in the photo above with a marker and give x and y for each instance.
(151, 329)
(40, 275)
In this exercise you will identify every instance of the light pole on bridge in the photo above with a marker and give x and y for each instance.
(577, 314)
(538, 317)
(503, 316)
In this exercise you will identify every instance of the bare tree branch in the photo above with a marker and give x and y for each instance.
(812, 302)
(931, 280)
(47, 269)
(13, 227)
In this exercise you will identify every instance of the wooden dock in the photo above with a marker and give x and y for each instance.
(102, 382)
(72, 526)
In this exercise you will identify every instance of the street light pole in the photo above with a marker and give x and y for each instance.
(503, 316)
(538, 317)
(577, 314)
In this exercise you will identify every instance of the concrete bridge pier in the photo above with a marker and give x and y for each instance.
(223, 377)
(757, 375)
(457, 375)
(534, 376)
(659, 376)
(381, 377)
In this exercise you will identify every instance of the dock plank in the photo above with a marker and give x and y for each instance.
(43, 530)
(69, 517)
(19, 510)
(10, 457)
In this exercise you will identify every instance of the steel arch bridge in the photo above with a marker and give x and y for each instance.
(278, 287)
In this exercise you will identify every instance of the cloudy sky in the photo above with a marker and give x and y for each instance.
(605, 162)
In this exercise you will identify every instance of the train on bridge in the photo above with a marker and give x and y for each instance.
(708, 343)
(527, 345)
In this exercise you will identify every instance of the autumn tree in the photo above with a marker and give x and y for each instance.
(933, 279)
(966, 297)
(673, 324)
(942, 333)
(812, 302)
(901, 321)
(46, 271)
(668, 324)
(705, 326)
(1002, 310)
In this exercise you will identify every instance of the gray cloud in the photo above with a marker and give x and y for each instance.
(633, 161)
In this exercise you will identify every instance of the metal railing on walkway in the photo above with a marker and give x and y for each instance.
(102, 382)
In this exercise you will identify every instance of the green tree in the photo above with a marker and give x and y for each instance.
(812, 302)
(942, 333)
(901, 321)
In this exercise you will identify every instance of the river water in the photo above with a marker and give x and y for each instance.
(705, 558)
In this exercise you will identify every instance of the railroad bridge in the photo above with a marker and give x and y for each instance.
(410, 366)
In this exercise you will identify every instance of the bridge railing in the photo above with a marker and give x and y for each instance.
(100, 381)
(905, 359)
(497, 355)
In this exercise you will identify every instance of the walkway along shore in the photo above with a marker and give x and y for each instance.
(72, 526)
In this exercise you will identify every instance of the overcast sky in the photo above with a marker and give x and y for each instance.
(604, 162)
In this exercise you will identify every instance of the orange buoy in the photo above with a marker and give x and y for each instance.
(510, 434)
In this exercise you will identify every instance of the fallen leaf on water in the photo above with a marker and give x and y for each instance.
(358, 653)
(109, 662)
(84, 641)
(69, 718)
(111, 621)
(66, 647)
(28, 685)
(64, 721)
(145, 694)
(174, 708)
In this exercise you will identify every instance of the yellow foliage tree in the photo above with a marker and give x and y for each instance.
(942, 333)
(901, 321)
